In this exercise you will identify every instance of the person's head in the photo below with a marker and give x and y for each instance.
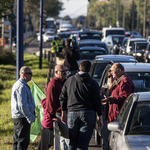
(67, 42)
(55, 38)
(85, 66)
(60, 72)
(117, 70)
(25, 73)
(59, 36)
(110, 77)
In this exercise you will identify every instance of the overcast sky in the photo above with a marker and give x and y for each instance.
(74, 8)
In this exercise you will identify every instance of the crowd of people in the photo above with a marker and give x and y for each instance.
(73, 99)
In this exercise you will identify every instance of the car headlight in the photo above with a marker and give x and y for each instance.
(149, 56)
(138, 54)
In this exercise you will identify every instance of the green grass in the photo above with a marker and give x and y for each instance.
(7, 79)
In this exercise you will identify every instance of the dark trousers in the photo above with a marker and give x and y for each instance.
(21, 137)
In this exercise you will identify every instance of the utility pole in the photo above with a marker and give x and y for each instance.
(105, 14)
(144, 19)
(123, 19)
(137, 29)
(132, 26)
(41, 37)
(110, 13)
(19, 56)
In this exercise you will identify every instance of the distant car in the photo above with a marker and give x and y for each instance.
(138, 50)
(133, 34)
(131, 130)
(88, 35)
(89, 53)
(64, 35)
(114, 43)
(123, 47)
(130, 42)
(48, 36)
(101, 61)
(94, 43)
(147, 54)
(140, 75)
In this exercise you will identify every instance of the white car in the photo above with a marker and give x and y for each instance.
(131, 130)
(47, 36)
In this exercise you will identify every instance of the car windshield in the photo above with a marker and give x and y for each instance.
(90, 54)
(65, 35)
(94, 44)
(112, 32)
(140, 123)
(49, 34)
(141, 81)
(90, 36)
(140, 46)
(132, 42)
(117, 40)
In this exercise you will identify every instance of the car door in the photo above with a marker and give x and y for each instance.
(117, 139)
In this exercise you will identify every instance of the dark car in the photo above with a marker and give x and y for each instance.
(93, 43)
(114, 43)
(147, 54)
(123, 47)
(101, 61)
(88, 35)
(133, 34)
(65, 35)
(138, 50)
(89, 53)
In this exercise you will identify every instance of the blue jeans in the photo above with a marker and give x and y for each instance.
(81, 125)
(21, 137)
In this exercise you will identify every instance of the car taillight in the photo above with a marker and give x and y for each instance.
(131, 36)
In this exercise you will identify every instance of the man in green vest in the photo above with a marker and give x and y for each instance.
(60, 43)
(54, 46)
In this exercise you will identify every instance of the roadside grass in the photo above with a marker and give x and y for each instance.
(7, 79)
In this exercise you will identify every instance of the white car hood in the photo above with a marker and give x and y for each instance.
(139, 142)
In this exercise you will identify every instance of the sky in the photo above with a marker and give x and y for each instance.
(74, 8)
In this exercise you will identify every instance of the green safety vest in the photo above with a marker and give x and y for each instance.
(52, 48)
(60, 43)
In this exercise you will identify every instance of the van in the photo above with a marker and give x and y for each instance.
(112, 31)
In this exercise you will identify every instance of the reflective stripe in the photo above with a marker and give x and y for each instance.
(60, 43)
(52, 49)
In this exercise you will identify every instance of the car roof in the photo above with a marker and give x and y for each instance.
(136, 67)
(143, 96)
(140, 39)
(64, 33)
(91, 48)
(91, 41)
(110, 28)
(117, 35)
(142, 42)
(90, 32)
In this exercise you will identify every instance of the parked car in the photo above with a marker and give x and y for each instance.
(133, 34)
(138, 50)
(131, 130)
(88, 35)
(140, 75)
(147, 54)
(114, 43)
(100, 62)
(130, 42)
(94, 43)
(64, 35)
(89, 53)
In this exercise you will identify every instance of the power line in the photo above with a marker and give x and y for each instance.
(77, 10)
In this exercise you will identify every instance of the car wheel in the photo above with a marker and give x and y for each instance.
(98, 139)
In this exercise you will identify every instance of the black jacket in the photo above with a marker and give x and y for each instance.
(71, 56)
(80, 92)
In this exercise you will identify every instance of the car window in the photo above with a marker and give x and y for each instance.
(124, 42)
(125, 110)
(90, 54)
(141, 81)
(90, 36)
(98, 70)
(131, 42)
(118, 40)
(140, 123)
(140, 46)
(112, 32)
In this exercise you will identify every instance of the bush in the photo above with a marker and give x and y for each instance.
(7, 57)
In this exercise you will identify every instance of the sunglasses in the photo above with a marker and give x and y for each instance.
(109, 76)
(29, 73)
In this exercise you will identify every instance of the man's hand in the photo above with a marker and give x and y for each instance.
(57, 119)
(64, 117)
(100, 122)
(104, 101)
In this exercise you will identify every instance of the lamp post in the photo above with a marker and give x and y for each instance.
(144, 19)
(138, 16)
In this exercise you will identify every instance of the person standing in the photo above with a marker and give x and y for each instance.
(71, 56)
(81, 97)
(51, 106)
(122, 88)
(22, 110)
(54, 46)
(60, 43)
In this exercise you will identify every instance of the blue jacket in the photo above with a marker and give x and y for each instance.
(22, 102)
